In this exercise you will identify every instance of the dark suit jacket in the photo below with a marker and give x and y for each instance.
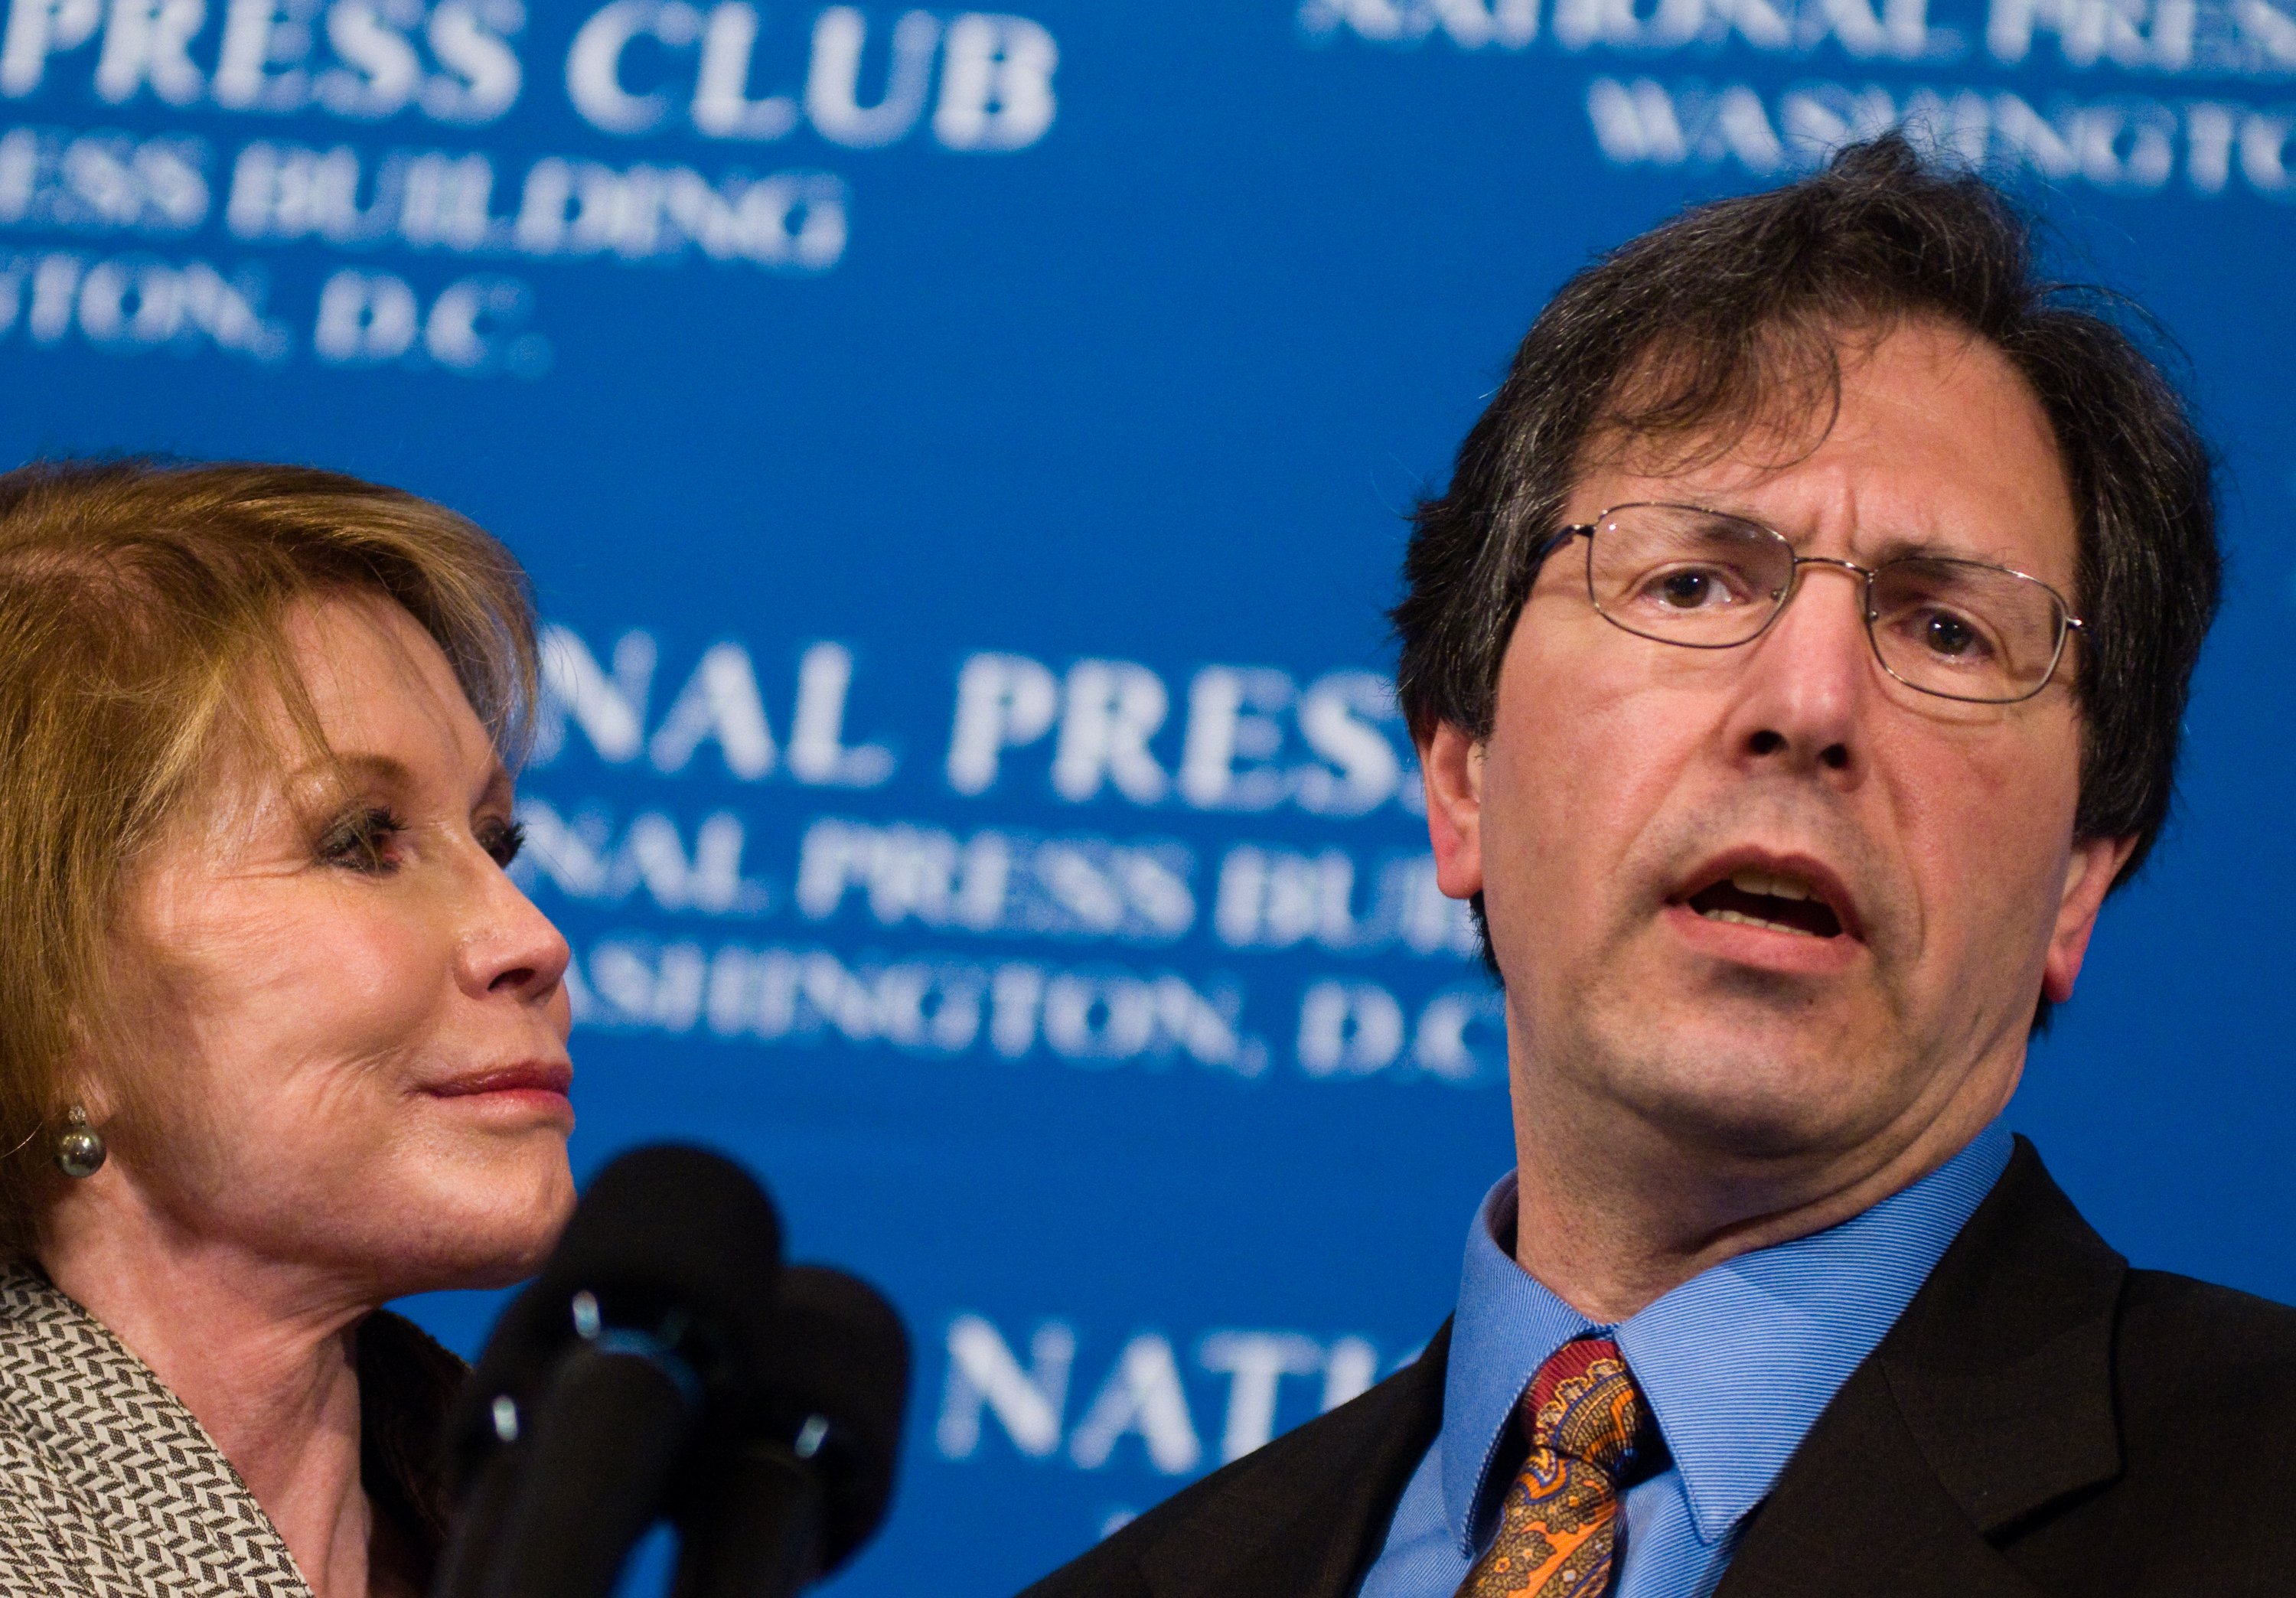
(2042, 1419)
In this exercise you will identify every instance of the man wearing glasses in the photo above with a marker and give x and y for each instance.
(1796, 659)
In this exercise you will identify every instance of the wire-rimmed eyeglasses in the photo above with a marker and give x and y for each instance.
(1704, 579)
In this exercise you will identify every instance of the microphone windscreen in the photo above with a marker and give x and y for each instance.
(842, 1355)
(667, 1212)
(677, 1227)
(666, 1229)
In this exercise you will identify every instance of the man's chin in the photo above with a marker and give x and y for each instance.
(1734, 1094)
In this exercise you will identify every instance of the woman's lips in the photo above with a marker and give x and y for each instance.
(531, 1077)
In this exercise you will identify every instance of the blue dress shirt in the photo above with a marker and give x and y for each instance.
(1736, 1363)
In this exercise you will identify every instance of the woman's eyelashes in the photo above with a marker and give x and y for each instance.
(369, 839)
(361, 840)
(502, 839)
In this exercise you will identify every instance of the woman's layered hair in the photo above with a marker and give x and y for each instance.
(144, 617)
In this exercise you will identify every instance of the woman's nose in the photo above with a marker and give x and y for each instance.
(508, 945)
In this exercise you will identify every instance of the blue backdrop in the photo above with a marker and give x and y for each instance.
(961, 458)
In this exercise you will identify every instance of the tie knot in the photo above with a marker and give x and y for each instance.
(1583, 1405)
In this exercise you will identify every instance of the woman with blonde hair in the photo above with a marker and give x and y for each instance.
(279, 1039)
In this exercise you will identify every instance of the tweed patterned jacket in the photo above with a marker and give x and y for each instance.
(109, 1488)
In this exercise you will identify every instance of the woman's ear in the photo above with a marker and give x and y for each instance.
(85, 1080)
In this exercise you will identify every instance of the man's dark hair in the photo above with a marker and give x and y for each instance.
(1733, 315)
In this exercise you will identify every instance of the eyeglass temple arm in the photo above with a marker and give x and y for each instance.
(1561, 538)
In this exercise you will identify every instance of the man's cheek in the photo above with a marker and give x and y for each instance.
(1968, 920)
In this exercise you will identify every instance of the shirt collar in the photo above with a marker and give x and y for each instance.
(1736, 1363)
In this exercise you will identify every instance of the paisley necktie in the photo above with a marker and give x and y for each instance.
(1558, 1524)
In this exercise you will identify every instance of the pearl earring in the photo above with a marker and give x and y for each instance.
(80, 1147)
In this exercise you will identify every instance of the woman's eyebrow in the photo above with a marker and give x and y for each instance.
(387, 770)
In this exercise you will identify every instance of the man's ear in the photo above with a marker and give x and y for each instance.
(1451, 766)
(2088, 878)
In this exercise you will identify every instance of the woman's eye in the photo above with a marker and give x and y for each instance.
(362, 841)
(504, 840)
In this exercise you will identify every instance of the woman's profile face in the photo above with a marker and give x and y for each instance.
(348, 1026)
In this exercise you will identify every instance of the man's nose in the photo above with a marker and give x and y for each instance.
(1803, 692)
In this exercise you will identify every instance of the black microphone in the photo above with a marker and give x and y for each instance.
(658, 1308)
(485, 1427)
(801, 1473)
(607, 1435)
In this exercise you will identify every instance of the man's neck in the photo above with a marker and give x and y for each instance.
(262, 1354)
(1611, 1219)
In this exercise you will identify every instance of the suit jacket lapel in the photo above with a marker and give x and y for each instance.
(1990, 1401)
(1306, 1524)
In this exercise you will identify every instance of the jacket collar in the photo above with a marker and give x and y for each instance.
(1989, 1401)
(2003, 1368)
(1306, 1521)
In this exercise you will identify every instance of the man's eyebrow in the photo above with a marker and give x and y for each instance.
(1890, 547)
(1916, 547)
(1912, 546)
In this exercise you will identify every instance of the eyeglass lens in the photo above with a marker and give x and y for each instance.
(1959, 628)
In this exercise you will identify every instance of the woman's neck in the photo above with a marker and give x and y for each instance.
(263, 1355)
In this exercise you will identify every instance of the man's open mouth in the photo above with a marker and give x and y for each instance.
(1776, 900)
